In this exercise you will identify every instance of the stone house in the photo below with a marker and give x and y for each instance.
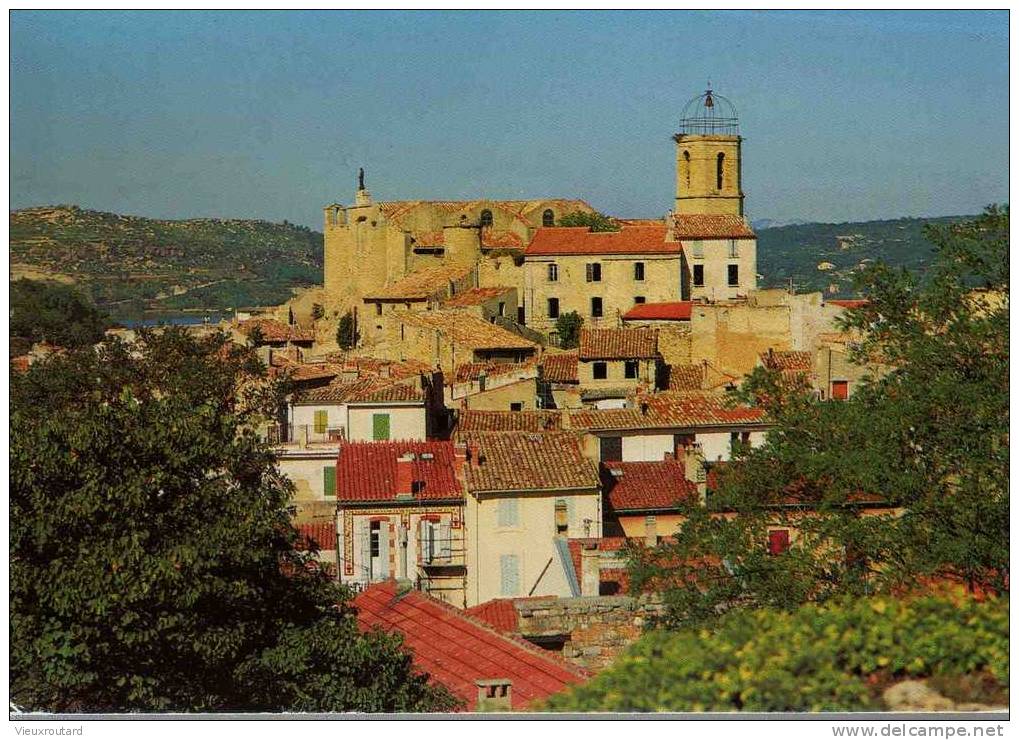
(614, 363)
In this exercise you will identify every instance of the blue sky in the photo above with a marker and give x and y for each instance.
(846, 116)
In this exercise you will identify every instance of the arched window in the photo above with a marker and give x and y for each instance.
(686, 162)
(486, 218)
(548, 218)
(720, 170)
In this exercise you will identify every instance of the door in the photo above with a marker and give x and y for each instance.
(380, 427)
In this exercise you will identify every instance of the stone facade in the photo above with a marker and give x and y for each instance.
(709, 174)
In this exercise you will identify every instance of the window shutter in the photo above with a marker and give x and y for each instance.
(321, 421)
(362, 550)
(329, 480)
(589, 272)
(507, 512)
(445, 546)
(509, 572)
(383, 573)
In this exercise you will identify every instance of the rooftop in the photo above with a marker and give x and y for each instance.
(618, 344)
(687, 411)
(786, 361)
(475, 296)
(466, 329)
(471, 371)
(320, 534)
(642, 486)
(703, 226)
(421, 285)
(560, 367)
(272, 330)
(367, 471)
(363, 390)
(456, 650)
(699, 377)
(527, 462)
(567, 240)
(672, 311)
(508, 421)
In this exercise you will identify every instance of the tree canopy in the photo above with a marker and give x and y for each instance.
(153, 560)
(596, 221)
(59, 314)
(567, 327)
(903, 483)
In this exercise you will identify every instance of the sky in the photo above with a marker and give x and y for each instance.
(845, 115)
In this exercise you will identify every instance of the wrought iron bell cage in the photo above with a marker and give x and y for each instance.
(709, 113)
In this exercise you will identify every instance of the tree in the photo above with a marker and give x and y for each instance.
(596, 221)
(567, 327)
(59, 314)
(153, 561)
(346, 335)
(928, 439)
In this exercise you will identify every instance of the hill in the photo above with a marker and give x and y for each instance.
(128, 264)
(821, 256)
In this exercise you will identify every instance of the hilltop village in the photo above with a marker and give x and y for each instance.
(451, 448)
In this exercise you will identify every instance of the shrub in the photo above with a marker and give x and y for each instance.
(567, 326)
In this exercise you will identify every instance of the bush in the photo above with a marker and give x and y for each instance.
(595, 221)
(346, 335)
(832, 658)
(44, 311)
(567, 326)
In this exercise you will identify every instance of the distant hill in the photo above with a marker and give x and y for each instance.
(128, 263)
(821, 256)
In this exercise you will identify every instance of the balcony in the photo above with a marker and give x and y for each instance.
(440, 552)
(304, 435)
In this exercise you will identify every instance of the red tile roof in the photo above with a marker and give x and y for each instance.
(560, 367)
(366, 471)
(466, 329)
(849, 302)
(472, 370)
(276, 331)
(322, 534)
(475, 296)
(618, 344)
(364, 390)
(502, 613)
(545, 461)
(421, 285)
(703, 226)
(701, 376)
(687, 411)
(508, 421)
(672, 311)
(617, 576)
(456, 650)
(785, 361)
(641, 486)
(568, 240)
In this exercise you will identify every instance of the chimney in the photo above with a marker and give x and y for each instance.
(459, 458)
(693, 470)
(494, 695)
(405, 475)
(590, 569)
(651, 530)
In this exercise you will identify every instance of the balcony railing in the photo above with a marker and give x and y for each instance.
(304, 434)
(439, 553)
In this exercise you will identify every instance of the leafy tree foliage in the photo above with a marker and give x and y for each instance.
(153, 561)
(928, 438)
(55, 313)
(567, 326)
(833, 657)
(596, 221)
(346, 335)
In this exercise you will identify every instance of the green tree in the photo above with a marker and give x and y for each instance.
(567, 327)
(929, 438)
(45, 311)
(346, 336)
(595, 221)
(153, 562)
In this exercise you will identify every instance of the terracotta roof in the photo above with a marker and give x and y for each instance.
(704, 226)
(502, 614)
(785, 361)
(672, 311)
(528, 461)
(363, 390)
(560, 367)
(699, 377)
(391, 369)
(509, 421)
(466, 329)
(567, 240)
(660, 484)
(421, 285)
(312, 371)
(475, 296)
(639, 221)
(617, 576)
(20, 363)
(618, 344)
(472, 370)
(366, 471)
(505, 239)
(456, 650)
(849, 303)
(321, 534)
(685, 411)
(276, 331)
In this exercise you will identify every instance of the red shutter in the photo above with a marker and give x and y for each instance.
(840, 390)
(778, 541)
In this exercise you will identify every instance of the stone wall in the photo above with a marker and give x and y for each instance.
(599, 627)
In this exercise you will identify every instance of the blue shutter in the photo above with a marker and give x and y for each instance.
(509, 571)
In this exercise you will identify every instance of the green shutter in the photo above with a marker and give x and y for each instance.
(329, 480)
(321, 421)
(380, 427)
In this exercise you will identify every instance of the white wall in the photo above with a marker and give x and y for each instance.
(305, 415)
(646, 447)
(405, 422)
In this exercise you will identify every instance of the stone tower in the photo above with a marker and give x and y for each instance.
(708, 163)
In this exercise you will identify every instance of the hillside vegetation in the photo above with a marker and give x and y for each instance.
(127, 264)
(796, 251)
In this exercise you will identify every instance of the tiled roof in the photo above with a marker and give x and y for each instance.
(619, 576)
(704, 226)
(660, 484)
(687, 411)
(618, 344)
(276, 331)
(672, 311)
(849, 302)
(785, 361)
(472, 370)
(505, 239)
(699, 377)
(456, 650)
(502, 614)
(528, 461)
(322, 534)
(568, 240)
(366, 471)
(466, 329)
(509, 421)
(363, 390)
(312, 371)
(422, 284)
(560, 367)
(639, 221)
(387, 369)
(475, 296)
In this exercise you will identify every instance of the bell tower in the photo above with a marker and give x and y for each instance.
(709, 170)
